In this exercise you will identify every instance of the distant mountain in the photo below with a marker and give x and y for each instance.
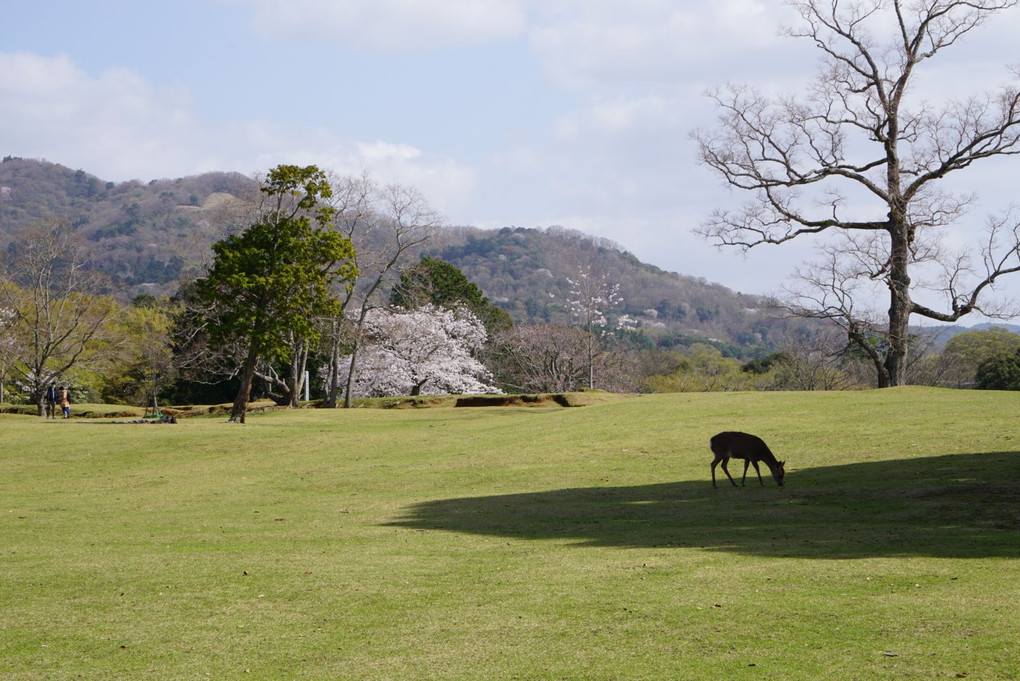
(941, 335)
(148, 237)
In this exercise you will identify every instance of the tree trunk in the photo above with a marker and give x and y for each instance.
(333, 381)
(348, 391)
(591, 357)
(348, 400)
(899, 306)
(296, 380)
(155, 396)
(240, 407)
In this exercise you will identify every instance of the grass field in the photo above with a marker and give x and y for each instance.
(518, 543)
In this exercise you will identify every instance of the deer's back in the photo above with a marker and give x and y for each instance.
(737, 445)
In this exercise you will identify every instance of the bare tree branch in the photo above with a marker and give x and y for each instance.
(856, 154)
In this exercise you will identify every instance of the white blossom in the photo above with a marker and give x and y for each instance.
(591, 297)
(425, 351)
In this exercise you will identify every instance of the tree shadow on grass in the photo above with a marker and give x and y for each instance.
(958, 506)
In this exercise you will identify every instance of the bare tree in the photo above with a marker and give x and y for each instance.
(388, 226)
(548, 358)
(352, 217)
(53, 308)
(858, 156)
(543, 358)
(815, 361)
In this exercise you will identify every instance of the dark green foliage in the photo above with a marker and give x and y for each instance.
(763, 365)
(183, 392)
(669, 309)
(440, 283)
(682, 341)
(1000, 372)
(630, 339)
(437, 282)
(155, 270)
(146, 300)
(271, 282)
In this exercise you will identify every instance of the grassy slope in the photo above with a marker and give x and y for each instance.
(518, 543)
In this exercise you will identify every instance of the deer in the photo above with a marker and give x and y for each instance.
(751, 448)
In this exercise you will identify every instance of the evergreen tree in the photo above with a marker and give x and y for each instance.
(271, 282)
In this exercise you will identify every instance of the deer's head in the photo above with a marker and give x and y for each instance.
(779, 472)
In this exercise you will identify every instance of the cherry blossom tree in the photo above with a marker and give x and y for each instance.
(591, 296)
(7, 318)
(388, 226)
(425, 351)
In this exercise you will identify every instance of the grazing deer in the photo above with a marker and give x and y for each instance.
(750, 448)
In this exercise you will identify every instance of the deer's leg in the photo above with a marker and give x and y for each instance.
(747, 462)
(726, 470)
(716, 463)
(758, 471)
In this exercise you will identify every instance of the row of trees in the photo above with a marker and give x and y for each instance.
(315, 278)
(433, 333)
(984, 359)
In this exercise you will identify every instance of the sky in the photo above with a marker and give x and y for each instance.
(529, 113)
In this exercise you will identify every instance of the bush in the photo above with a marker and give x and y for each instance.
(1000, 372)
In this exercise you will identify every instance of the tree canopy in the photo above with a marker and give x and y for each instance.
(436, 282)
(428, 350)
(1000, 372)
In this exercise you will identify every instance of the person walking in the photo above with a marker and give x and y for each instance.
(51, 401)
(65, 401)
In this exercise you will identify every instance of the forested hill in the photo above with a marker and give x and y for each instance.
(149, 236)
(529, 273)
(146, 236)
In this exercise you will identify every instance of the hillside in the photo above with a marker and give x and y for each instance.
(528, 272)
(148, 237)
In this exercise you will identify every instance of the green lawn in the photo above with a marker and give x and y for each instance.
(518, 542)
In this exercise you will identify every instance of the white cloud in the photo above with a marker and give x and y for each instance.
(580, 43)
(116, 121)
(586, 44)
(652, 115)
(447, 185)
(391, 25)
(119, 127)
